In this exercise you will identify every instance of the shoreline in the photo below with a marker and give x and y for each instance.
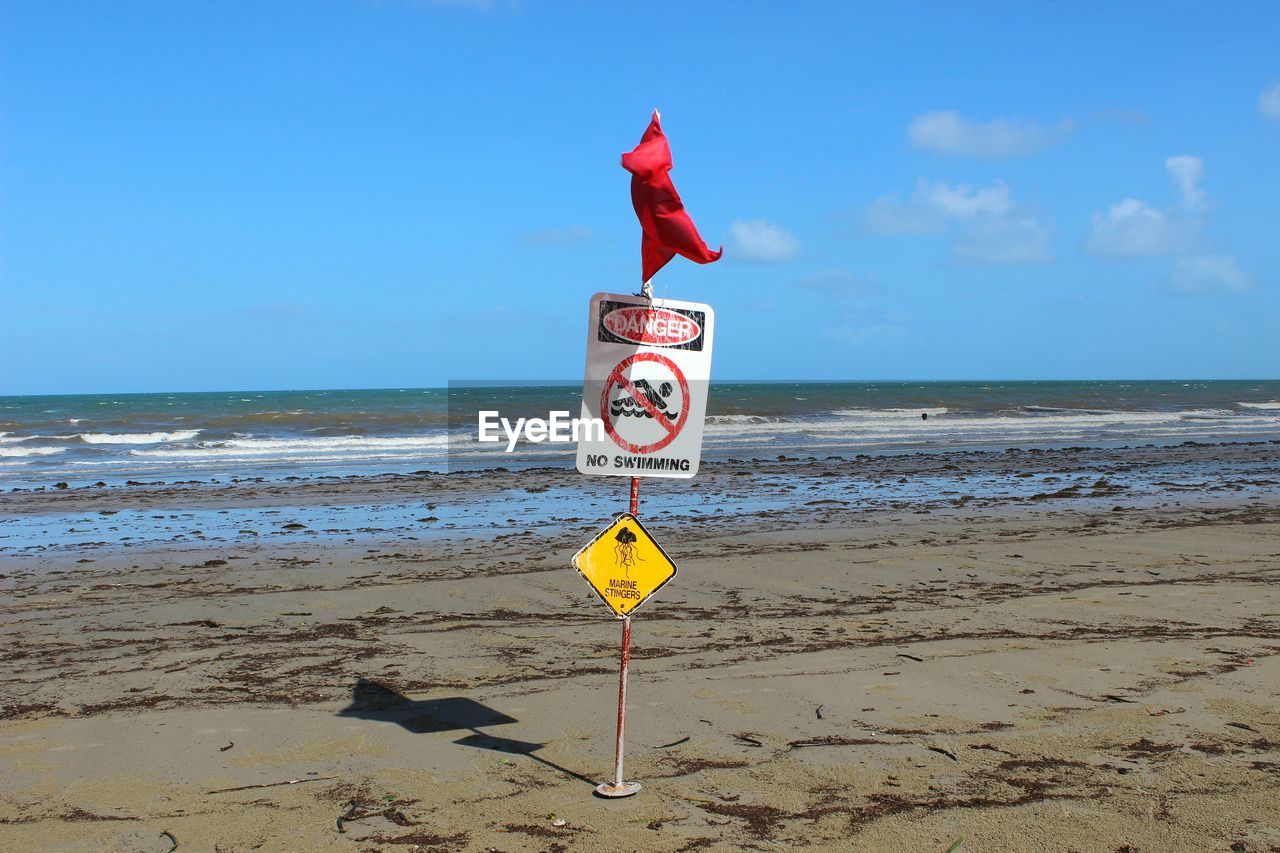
(545, 501)
(1031, 669)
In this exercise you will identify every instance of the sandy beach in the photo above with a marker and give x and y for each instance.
(879, 402)
(1089, 663)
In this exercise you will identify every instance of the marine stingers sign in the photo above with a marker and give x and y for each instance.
(648, 367)
(624, 565)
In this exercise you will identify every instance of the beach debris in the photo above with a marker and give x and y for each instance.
(685, 739)
(1111, 697)
(955, 845)
(746, 739)
(817, 712)
(942, 750)
(1161, 712)
(1247, 728)
(173, 839)
(559, 822)
(910, 657)
(230, 744)
(836, 740)
(350, 815)
(387, 811)
(269, 785)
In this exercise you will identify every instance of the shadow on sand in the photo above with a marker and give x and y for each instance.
(371, 700)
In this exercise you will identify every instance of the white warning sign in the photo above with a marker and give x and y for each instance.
(648, 369)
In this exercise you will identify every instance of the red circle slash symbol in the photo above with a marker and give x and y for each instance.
(642, 399)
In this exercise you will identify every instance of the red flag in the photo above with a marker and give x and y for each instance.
(668, 230)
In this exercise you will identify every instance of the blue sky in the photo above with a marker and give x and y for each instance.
(388, 194)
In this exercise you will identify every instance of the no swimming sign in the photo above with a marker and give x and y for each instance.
(648, 368)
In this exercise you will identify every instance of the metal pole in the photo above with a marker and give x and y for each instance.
(622, 703)
(618, 787)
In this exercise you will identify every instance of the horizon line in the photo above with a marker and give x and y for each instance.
(540, 383)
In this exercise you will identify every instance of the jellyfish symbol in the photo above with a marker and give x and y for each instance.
(625, 550)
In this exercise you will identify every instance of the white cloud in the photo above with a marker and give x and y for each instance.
(934, 205)
(962, 203)
(890, 215)
(866, 324)
(1199, 273)
(1188, 172)
(1269, 101)
(1121, 115)
(559, 236)
(478, 5)
(839, 284)
(1133, 229)
(991, 228)
(1015, 240)
(948, 132)
(757, 240)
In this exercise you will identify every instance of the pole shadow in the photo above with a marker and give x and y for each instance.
(371, 700)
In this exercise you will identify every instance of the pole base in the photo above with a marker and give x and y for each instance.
(612, 791)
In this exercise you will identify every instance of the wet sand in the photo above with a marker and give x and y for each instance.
(1081, 658)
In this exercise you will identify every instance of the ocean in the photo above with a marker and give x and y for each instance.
(117, 438)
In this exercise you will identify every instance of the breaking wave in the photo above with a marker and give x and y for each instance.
(351, 446)
(19, 452)
(138, 437)
(353, 433)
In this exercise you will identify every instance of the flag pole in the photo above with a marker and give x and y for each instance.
(619, 787)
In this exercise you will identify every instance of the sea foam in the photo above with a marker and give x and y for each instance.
(30, 451)
(344, 445)
(138, 437)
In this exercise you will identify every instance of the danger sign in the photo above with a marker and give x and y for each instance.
(648, 368)
(624, 565)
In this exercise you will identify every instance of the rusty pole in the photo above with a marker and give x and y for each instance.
(618, 787)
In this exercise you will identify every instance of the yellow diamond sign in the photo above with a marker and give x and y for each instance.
(624, 565)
